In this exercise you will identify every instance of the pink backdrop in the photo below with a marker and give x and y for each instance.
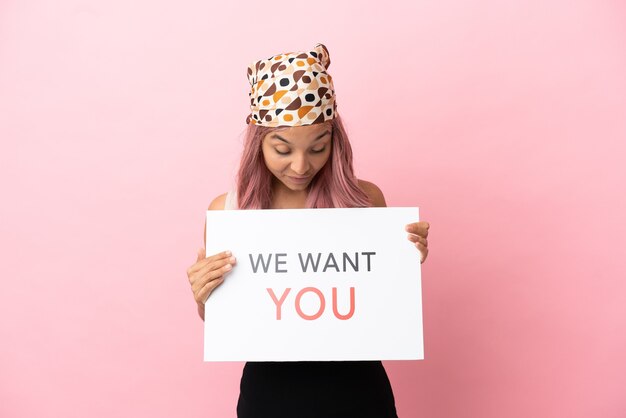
(504, 121)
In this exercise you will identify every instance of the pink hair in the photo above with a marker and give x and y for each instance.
(334, 186)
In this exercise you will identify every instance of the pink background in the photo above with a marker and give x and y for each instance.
(505, 121)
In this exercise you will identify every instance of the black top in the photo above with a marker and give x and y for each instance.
(315, 389)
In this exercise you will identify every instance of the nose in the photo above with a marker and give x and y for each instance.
(300, 165)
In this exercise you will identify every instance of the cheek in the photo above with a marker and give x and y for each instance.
(321, 160)
(274, 164)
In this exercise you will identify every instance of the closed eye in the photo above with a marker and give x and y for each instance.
(314, 151)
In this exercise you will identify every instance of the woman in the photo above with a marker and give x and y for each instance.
(297, 155)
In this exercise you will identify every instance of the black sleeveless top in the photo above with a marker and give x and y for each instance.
(320, 389)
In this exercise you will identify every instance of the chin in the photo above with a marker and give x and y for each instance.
(298, 187)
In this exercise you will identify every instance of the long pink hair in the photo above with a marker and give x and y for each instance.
(334, 186)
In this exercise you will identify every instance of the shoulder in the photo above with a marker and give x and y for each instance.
(218, 203)
(374, 193)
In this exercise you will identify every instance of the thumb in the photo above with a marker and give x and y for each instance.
(201, 254)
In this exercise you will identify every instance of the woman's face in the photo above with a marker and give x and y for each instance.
(295, 155)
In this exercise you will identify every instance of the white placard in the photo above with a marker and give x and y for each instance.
(315, 284)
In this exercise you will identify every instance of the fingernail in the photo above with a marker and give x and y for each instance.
(228, 253)
(228, 267)
(232, 259)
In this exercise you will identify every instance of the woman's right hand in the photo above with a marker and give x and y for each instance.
(208, 272)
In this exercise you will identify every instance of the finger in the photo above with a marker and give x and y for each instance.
(417, 238)
(203, 262)
(423, 251)
(216, 265)
(201, 279)
(419, 228)
(419, 224)
(216, 273)
(220, 255)
(206, 291)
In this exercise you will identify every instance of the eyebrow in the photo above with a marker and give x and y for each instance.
(287, 142)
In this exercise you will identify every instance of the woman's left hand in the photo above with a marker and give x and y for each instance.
(418, 232)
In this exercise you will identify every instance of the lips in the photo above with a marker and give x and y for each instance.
(299, 179)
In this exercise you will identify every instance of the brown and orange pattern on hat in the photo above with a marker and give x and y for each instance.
(292, 89)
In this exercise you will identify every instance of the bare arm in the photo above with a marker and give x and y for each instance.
(217, 204)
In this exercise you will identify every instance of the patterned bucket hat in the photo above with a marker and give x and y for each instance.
(292, 89)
